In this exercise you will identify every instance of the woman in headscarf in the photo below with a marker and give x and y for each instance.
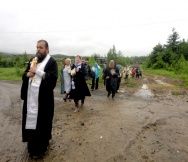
(65, 79)
(111, 74)
(79, 86)
(95, 80)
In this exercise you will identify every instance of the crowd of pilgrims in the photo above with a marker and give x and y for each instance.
(74, 78)
(37, 92)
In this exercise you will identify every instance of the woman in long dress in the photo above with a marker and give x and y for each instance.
(66, 79)
(111, 75)
(79, 86)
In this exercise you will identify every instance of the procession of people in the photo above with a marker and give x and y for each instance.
(39, 81)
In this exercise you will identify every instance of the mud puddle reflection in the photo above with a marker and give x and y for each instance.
(144, 92)
(163, 83)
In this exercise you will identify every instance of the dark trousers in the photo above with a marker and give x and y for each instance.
(76, 101)
(118, 83)
(95, 84)
(111, 90)
(126, 76)
(104, 81)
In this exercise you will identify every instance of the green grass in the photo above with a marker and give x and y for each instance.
(170, 74)
(16, 74)
(11, 73)
(178, 93)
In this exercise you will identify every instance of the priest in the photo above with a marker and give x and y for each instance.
(39, 81)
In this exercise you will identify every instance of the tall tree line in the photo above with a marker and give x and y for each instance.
(172, 56)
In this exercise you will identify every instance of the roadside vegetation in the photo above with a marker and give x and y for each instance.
(170, 60)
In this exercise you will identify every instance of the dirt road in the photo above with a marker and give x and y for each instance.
(145, 123)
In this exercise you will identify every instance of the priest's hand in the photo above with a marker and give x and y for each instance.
(33, 69)
(30, 74)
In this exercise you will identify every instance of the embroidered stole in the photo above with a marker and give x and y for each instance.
(33, 96)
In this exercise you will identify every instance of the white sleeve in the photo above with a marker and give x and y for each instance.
(40, 73)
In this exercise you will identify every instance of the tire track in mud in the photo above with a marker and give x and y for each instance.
(138, 144)
(150, 143)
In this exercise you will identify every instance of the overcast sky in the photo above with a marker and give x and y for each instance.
(86, 27)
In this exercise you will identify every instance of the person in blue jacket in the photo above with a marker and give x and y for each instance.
(95, 80)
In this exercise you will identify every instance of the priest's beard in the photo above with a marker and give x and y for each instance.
(41, 57)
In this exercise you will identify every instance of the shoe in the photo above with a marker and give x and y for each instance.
(91, 89)
(37, 156)
(108, 95)
(76, 110)
(82, 104)
(66, 97)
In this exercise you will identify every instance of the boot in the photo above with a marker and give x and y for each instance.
(65, 98)
(113, 94)
(108, 94)
(76, 107)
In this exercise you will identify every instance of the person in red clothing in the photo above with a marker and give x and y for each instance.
(133, 72)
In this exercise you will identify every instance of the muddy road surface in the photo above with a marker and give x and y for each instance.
(147, 122)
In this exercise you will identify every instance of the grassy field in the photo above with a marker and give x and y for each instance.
(16, 74)
(170, 74)
(11, 73)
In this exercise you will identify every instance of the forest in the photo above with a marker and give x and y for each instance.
(172, 56)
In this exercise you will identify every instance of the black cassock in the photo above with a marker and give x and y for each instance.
(81, 89)
(111, 82)
(38, 139)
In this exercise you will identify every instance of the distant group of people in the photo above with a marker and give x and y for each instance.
(132, 71)
(112, 75)
(39, 81)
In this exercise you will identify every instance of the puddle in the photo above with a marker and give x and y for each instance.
(144, 92)
(161, 82)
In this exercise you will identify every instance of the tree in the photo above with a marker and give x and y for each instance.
(91, 61)
(172, 42)
(112, 55)
(153, 56)
(181, 67)
(183, 49)
(159, 64)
